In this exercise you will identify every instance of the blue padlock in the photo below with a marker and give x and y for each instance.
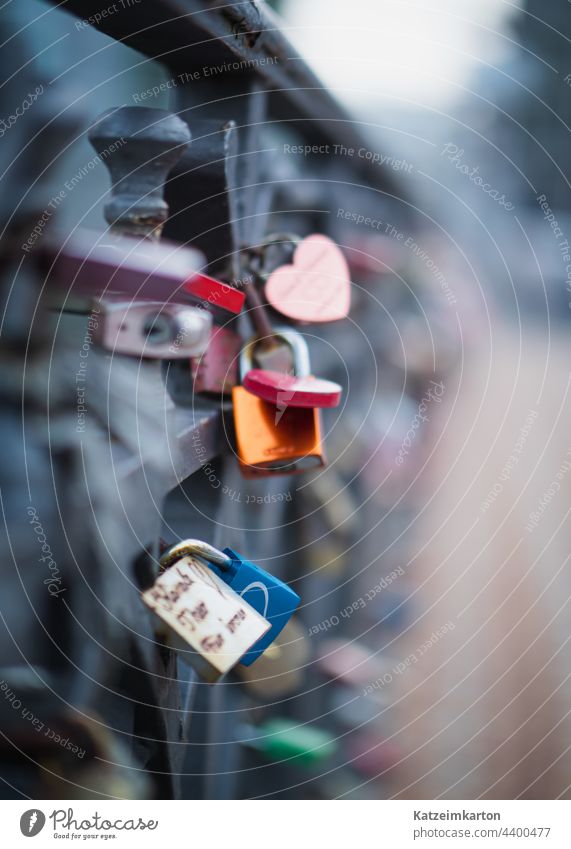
(273, 599)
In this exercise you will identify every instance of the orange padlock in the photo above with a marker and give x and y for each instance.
(272, 440)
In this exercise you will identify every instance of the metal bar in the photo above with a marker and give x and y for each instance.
(186, 35)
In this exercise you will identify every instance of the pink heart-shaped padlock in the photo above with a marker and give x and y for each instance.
(316, 287)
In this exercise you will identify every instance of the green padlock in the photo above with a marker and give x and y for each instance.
(285, 739)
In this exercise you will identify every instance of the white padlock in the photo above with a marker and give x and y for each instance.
(210, 625)
(152, 329)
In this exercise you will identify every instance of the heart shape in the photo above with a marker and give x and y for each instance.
(287, 390)
(316, 287)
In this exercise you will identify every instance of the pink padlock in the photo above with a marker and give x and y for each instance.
(315, 286)
(216, 370)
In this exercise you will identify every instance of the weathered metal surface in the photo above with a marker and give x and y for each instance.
(237, 41)
(137, 456)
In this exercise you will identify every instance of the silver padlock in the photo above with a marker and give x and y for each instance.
(295, 344)
(152, 329)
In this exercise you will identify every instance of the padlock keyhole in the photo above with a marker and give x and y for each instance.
(158, 329)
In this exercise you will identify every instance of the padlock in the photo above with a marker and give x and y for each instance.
(371, 754)
(281, 739)
(274, 439)
(281, 389)
(314, 287)
(201, 616)
(295, 388)
(216, 370)
(140, 146)
(272, 352)
(352, 663)
(269, 596)
(152, 329)
(92, 265)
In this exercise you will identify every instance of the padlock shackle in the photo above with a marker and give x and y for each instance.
(280, 238)
(258, 251)
(194, 547)
(295, 342)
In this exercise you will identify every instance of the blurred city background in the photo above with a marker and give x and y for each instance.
(430, 657)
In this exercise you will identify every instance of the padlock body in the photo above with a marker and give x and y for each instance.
(216, 370)
(152, 329)
(270, 596)
(275, 441)
(202, 617)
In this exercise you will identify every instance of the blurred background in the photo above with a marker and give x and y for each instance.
(430, 656)
(463, 92)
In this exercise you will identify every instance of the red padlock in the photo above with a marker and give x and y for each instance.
(216, 370)
(273, 439)
(92, 264)
(214, 292)
(292, 389)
